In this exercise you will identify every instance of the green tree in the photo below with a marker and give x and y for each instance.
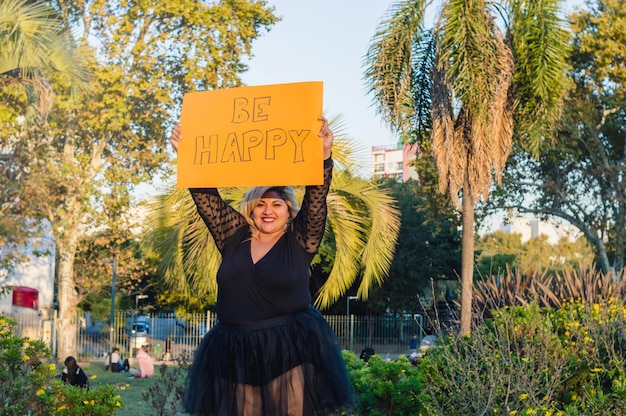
(362, 217)
(99, 145)
(456, 89)
(34, 44)
(581, 178)
(135, 270)
(499, 252)
(428, 248)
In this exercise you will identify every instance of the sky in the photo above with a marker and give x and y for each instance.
(326, 40)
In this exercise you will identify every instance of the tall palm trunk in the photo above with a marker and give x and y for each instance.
(467, 258)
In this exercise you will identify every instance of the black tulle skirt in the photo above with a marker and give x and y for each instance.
(290, 365)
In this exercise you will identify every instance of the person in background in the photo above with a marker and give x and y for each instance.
(271, 352)
(114, 361)
(73, 374)
(146, 366)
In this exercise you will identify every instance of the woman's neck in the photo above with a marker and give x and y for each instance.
(269, 238)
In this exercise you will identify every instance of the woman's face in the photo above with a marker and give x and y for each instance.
(271, 214)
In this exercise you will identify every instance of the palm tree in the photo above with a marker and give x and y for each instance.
(34, 41)
(362, 216)
(456, 89)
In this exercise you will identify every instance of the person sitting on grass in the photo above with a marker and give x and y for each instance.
(73, 374)
(146, 366)
(114, 361)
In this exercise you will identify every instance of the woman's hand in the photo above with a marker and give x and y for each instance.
(326, 134)
(176, 136)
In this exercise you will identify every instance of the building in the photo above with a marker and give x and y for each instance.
(530, 228)
(29, 286)
(394, 161)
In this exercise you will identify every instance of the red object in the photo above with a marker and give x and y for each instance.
(26, 297)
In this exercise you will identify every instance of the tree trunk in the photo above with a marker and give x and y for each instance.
(467, 259)
(620, 231)
(602, 256)
(67, 298)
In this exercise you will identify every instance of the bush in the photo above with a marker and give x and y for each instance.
(28, 385)
(385, 388)
(166, 395)
(512, 364)
(533, 361)
(595, 338)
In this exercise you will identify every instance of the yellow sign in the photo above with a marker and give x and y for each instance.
(252, 136)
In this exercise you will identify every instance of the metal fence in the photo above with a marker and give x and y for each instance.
(170, 337)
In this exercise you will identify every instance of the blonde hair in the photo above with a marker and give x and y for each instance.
(252, 196)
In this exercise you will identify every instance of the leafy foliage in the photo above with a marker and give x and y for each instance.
(385, 388)
(165, 396)
(428, 248)
(586, 285)
(498, 251)
(530, 360)
(580, 177)
(28, 382)
(504, 366)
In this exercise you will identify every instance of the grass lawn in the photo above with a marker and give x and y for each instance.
(130, 390)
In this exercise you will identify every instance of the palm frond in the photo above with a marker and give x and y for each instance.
(466, 44)
(443, 126)
(501, 115)
(540, 46)
(348, 154)
(33, 42)
(379, 252)
(366, 224)
(389, 61)
(421, 87)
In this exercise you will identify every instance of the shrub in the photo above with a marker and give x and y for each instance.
(165, 396)
(385, 388)
(595, 339)
(28, 385)
(530, 360)
(507, 366)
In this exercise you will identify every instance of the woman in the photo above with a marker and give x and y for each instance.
(73, 374)
(271, 353)
(146, 365)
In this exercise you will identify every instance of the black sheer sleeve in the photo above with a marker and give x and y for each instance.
(310, 223)
(221, 219)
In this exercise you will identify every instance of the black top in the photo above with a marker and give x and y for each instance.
(79, 378)
(278, 283)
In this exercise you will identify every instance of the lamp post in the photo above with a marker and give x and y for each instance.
(350, 321)
(348, 299)
(112, 317)
(137, 297)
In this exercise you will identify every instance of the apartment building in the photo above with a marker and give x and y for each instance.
(394, 161)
